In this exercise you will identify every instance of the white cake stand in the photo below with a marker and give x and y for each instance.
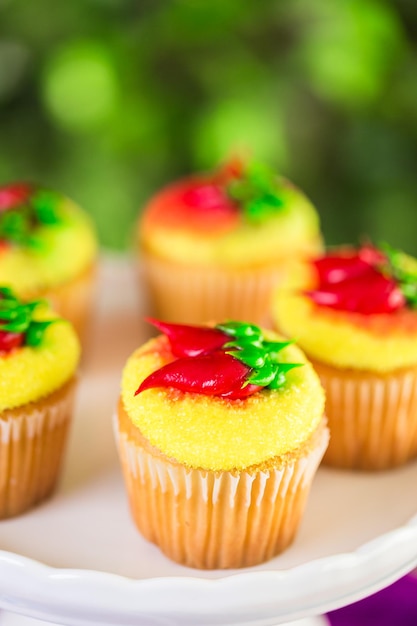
(78, 560)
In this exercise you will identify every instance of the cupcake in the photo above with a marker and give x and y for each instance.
(39, 353)
(48, 249)
(220, 432)
(353, 312)
(212, 246)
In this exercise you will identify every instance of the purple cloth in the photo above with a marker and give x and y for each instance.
(394, 606)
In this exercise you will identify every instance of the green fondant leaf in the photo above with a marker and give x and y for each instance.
(17, 317)
(258, 192)
(35, 332)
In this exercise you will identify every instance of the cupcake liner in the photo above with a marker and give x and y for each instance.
(372, 417)
(208, 519)
(73, 300)
(196, 295)
(32, 442)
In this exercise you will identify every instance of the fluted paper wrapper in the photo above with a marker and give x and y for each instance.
(372, 417)
(32, 442)
(209, 520)
(198, 294)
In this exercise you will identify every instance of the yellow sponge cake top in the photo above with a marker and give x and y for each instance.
(379, 342)
(39, 250)
(30, 372)
(216, 433)
(198, 219)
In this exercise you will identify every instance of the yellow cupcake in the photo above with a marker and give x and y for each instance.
(219, 481)
(39, 355)
(212, 246)
(364, 348)
(48, 249)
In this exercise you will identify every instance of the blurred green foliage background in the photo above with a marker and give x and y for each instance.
(106, 100)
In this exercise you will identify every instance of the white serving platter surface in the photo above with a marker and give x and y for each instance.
(78, 559)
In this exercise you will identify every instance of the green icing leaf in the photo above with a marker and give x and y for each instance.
(263, 357)
(7, 297)
(258, 192)
(240, 329)
(280, 375)
(35, 332)
(250, 356)
(17, 317)
(14, 227)
(403, 269)
(276, 346)
(45, 205)
(263, 376)
(18, 225)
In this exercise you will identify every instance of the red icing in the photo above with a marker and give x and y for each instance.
(213, 374)
(9, 341)
(199, 203)
(191, 341)
(231, 361)
(14, 195)
(201, 364)
(354, 282)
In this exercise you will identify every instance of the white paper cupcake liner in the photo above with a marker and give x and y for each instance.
(32, 441)
(372, 420)
(210, 519)
(197, 295)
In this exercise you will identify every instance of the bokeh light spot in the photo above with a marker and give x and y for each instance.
(349, 50)
(80, 86)
(240, 126)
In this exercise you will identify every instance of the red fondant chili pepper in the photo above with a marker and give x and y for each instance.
(374, 293)
(334, 268)
(213, 374)
(191, 341)
(232, 360)
(356, 283)
(13, 195)
(241, 392)
(9, 340)
(207, 197)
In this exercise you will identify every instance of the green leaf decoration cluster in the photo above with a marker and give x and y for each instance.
(18, 224)
(403, 269)
(257, 192)
(251, 348)
(17, 317)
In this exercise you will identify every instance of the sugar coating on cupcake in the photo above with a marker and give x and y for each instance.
(361, 317)
(219, 433)
(242, 215)
(39, 355)
(43, 356)
(354, 313)
(45, 239)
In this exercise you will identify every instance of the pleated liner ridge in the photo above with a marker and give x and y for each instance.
(210, 520)
(32, 442)
(197, 294)
(372, 417)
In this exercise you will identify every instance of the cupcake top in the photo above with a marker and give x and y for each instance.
(45, 239)
(222, 398)
(353, 308)
(39, 351)
(240, 215)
